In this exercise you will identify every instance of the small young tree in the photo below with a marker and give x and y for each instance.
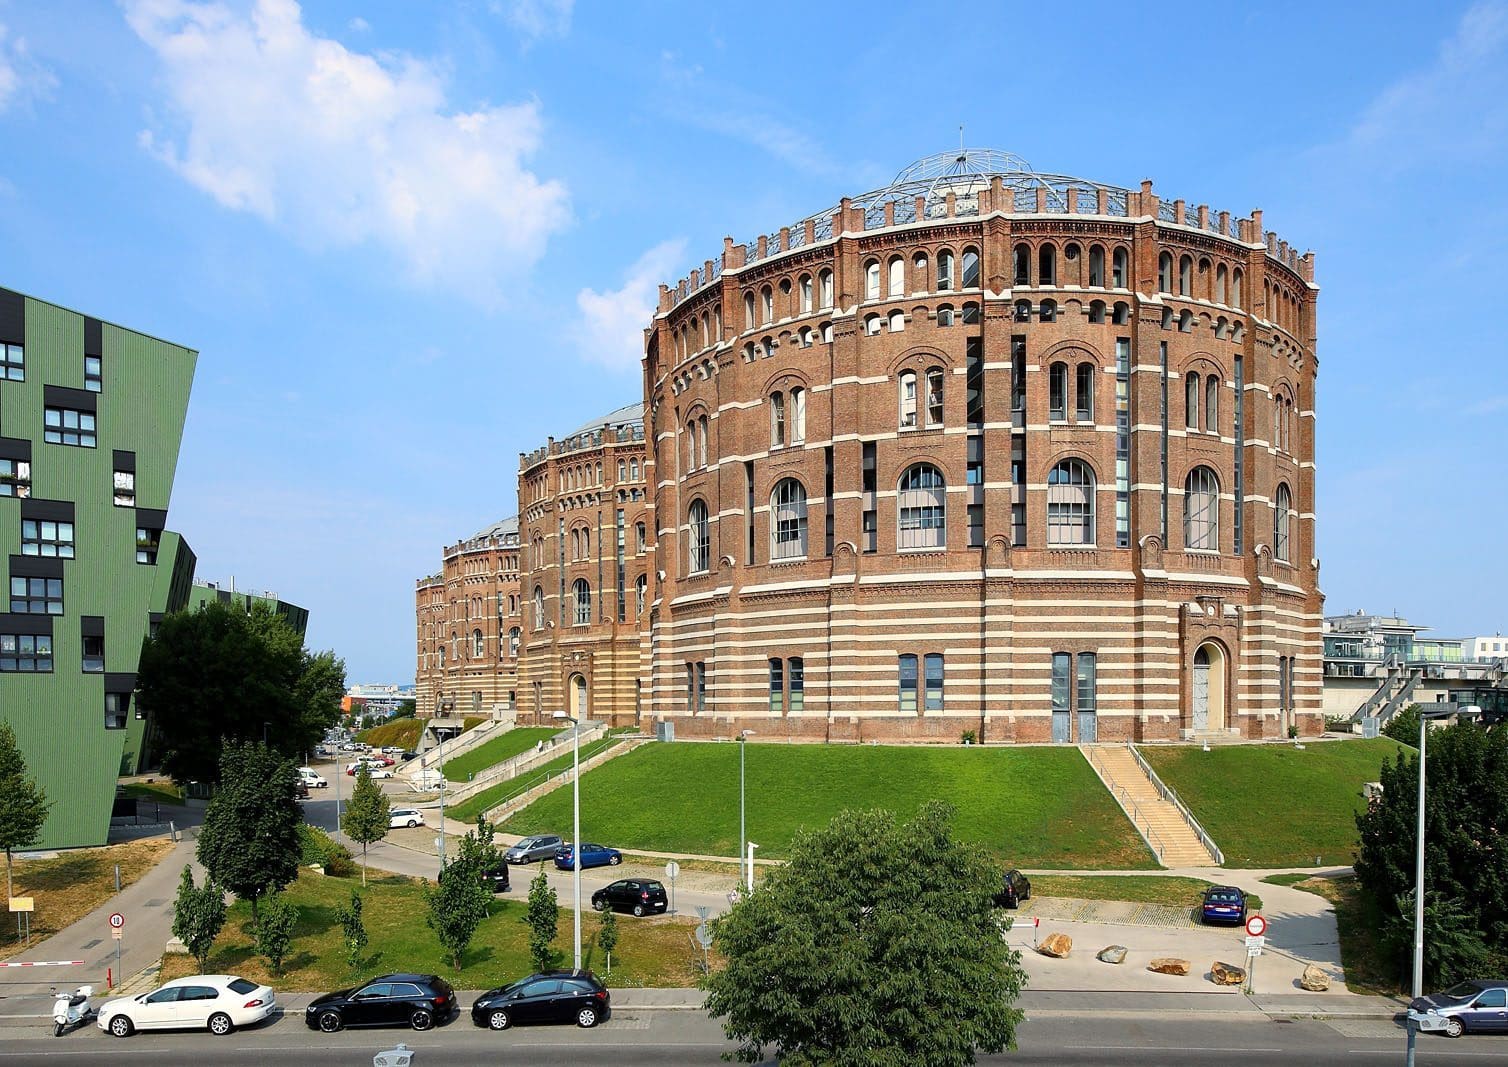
(607, 936)
(459, 903)
(542, 917)
(366, 818)
(250, 843)
(23, 803)
(353, 932)
(275, 931)
(198, 916)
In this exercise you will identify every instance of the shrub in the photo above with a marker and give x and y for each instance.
(317, 847)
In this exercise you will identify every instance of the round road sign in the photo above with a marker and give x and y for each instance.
(117, 920)
(672, 870)
(1256, 926)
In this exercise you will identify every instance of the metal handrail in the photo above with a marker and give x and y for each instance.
(1171, 797)
(1159, 848)
(513, 766)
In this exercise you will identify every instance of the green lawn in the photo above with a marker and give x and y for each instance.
(493, 795)
(519, 739)
(1276, 805)
(164, 791)
(655, 952)
(1174, 891)
(1032, 807)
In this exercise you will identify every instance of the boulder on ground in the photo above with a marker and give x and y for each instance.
(176, 947)
(1227, 973)
(1112, 954)
(1058, 946)
(1315, 979)
(1169, 965)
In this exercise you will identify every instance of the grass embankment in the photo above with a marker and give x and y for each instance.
(164, 792)
(651, 952)
(1359, 922)
(519, 739)
(405, 733)
(1276, 805)
(1171, 890)
(73, 884)
(1032, 807)
(468, 809)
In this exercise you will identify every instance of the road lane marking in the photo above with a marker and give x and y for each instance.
(1166, 1048)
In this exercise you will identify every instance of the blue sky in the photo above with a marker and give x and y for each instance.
(412, 240)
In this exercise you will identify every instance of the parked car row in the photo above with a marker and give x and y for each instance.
(551, 846)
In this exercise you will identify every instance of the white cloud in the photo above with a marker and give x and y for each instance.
(537, 18)
(359, 25)
(611, 329)
(344, 148)
(21, 77)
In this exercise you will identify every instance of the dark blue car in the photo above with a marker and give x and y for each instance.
(1223, 904)
(591, 856)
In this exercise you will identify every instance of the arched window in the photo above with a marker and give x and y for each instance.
(1283, 505)
(806, 293)
(945, 315)
(777, 419)
(919, 268)
(825, 288)
(1070, 504)
(1277, 421)
(1201, 510)
(1022, 260)
(622, 469)
(897, 321)
(971, 314)
(1191, 401)
(539, 608)
(1096, 311)
(698, 538)
(798, 415)
(514, 636)
(1083, 392)
(872, 324)
(1048, 311)
(749, 322)
(872, 280)
(1212, 403)
(717, 323)
(581, 595)
(1120, 315)
(1057, 392)
(897, 276)
(788, 520)
(934, 396)
(1235, 288)
(907, 399)
(478, 645)
(1185, 321)
(1023, 310)
(633, 470)
(1047, 265)
(944, 270)
(640, 540)
(827, 333)
(1118, 266)
(1220, 276)
(766, 305)
(921, 508)
(970, 278)
(691, 445)
(701, 439)
(641, 589)
(1096, 266)
(1165, 273)
(1185, 276)
(1073, 269)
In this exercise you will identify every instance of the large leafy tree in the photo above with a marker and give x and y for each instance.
(1465, 844)
(250, 842)
(366, 817)
(198, 915)
(221, 673)
(846, 955)
(459, 903)
(23, 803)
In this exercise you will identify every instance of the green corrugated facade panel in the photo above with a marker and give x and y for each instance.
(297, 617)
(59, 717)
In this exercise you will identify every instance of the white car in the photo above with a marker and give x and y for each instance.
(215, 1002)
(313, 780)
(376, 771)
(404, 817)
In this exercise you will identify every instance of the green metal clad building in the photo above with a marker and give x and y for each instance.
(91, 417)
(204, 592)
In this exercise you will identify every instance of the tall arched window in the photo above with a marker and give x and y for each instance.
(1119, 261)
(921, 508)
(1057, 392)
(907, 399)
(1212, 403)
(944, 270)
(934, 396)
(777, 420)
(1185, 276)
(806, 293)
(1048, 311)
(897, 321)
(1096, 266)
(581, 595)
(1191, 401)
(1235, 288)
(539, 608)
(872, 280)
(1047, 265)
(622, 469)
(641, 589)
(897, 276)
(1083, 392)
(701, 439)
(1165, 273)
(1201, 510)
(766, 305)
(798, 415)
(478, 645)
(514, 636)
(788, 520)
(1220, 276)
(698, 538)
(749, 322)
(825, 288)
(1070, 504)
(919, 270)
(1022, 262)
(970, 273)
(1283, 505)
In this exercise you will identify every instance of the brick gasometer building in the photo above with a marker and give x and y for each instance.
(986, 450)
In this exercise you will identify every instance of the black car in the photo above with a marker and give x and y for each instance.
(642, 896)
(551, 997)
(1014, 888)
(417, 1000)
(496, 878)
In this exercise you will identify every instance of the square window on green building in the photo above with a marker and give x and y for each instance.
(15, 478)
(67, 426)
(36, 596)
(12, 363)
(125, 489)
(53, 540)
(93, 378)
(116, 707)
(26, 653)
(146, 544)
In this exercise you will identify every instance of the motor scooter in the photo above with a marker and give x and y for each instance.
(71, 1009)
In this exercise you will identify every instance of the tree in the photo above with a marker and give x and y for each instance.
(353, 933)
(366, 818)
(1466, 840)
(250, 842)
(1404, 726)
(23, 803)
(542, 917)
(198, 915)
(275, 931)
(845, 955)
(460, 901)
(607, 935)
(221, 674)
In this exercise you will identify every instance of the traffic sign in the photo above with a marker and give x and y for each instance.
(115, 934)
(1255, 942)
(117, 920)
(21, 903)
(672, 870)
(1256, 926)
(704, 936)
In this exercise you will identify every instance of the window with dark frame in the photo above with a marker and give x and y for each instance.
(12, 363)
(907, 672)
(93, 378)
(68, 426)
(46, 538)
(26, 653)
(36, 596)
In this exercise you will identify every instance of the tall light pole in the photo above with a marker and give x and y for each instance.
(440, 764)
(743, 736)
(1418, 988)
(575, 830)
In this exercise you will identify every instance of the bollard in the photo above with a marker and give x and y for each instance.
(109, 975)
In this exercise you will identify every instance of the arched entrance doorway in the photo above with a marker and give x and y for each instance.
(1208, 705)
(578, 697)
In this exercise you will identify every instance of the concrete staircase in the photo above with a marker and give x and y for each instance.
(1163, 821)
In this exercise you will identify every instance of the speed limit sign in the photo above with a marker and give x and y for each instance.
(117, 920)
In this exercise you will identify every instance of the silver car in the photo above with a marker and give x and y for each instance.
(1478, 1007)
(538, 847)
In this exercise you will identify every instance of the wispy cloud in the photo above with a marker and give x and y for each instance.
(610, 331)
(536, 18)
(1490, 405)
(21, 76)
(343, 148)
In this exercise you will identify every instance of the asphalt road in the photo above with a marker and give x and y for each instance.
(657, 1038)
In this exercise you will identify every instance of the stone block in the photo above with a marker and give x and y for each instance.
(1169, 965)
(1315, 979)
(1227, 973)
(1058, 946)
(1112, 954)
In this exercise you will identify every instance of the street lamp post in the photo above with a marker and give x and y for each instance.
(575, 831)
(743, 736)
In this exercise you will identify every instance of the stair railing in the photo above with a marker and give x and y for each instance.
(1172, 798)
